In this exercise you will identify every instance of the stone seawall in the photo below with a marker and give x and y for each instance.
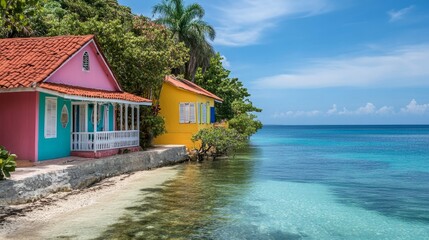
(36, 182)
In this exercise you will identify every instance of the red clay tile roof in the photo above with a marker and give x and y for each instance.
(190, 86)
(27, 60)
(93, 93)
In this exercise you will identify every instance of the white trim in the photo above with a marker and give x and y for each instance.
(133, 126)
(88, 141)
(122, 117)
(106, 120)
(77, 52)
(187, 115)
(126, 117)
(86, 116)
(53, 129)
(95, 110)
(66, 61)
(71, 97)
(107, 65)
(89, 99)
(138, 118)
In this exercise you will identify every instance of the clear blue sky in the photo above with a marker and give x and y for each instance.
(325, 61)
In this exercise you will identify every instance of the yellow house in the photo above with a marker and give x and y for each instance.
(186, 108)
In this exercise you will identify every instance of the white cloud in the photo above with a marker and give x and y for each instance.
(385, 110)
(333, 110)
(395, 15)
(289, 114)
(414, 108)
(225, 62)
(242, 22)
(369, 109)
(405, 66)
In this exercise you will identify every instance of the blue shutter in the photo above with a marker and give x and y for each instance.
(212, 115)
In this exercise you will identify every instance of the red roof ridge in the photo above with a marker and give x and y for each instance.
(190, 86)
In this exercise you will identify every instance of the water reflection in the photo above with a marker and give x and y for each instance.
(188, 206)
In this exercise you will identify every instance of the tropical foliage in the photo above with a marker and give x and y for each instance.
(244, 121)
(151, 126)
(140, 52)
(236, 106)
(7, 163)
(187, 25)
(17, 15)
(217, 141)
(216, 80)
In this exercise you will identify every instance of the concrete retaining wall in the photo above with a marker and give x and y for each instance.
(84, 174)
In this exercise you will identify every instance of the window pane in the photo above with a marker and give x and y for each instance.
(50, 118)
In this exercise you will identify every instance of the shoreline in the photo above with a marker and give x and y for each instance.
(81, 214)
(67, 174)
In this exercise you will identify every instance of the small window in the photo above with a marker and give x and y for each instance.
(64, 116)
(50, 117)
(187, 113)
(85, 62)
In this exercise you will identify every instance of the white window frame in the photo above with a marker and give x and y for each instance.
(187, 112)
(51, 122)
(204, 113)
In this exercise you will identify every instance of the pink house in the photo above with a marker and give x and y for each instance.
(59, 97)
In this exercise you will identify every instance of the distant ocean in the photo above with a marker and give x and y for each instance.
(300, 182)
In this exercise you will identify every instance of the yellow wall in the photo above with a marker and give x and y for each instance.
(180, 133)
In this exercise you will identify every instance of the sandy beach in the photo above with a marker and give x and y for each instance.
(81, 214)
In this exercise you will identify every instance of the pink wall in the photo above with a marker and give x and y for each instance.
(98, 77)
(18, 121)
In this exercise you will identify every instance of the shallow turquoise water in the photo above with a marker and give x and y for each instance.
(313, 182)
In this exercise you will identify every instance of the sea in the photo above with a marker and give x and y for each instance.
(296, 182)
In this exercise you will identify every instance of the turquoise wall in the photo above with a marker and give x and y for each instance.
(58, 147)
(112, 120)
(100, 124)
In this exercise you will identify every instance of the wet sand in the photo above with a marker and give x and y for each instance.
(81, 214)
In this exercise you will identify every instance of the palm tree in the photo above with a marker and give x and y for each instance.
(187, 26)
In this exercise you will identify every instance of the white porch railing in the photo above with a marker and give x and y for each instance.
(85, 141)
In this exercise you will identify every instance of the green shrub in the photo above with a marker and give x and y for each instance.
(7, 163)
(217, 141)
(151, 126)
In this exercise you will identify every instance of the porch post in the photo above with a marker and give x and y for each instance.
(120, 123)
(95, 126)
(132, 117)
(138, 117)
(126, 117)
(114, 122)
(138, 123)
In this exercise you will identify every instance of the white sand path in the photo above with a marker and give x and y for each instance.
(86, 213)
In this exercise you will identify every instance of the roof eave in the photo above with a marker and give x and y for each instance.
(88, 99)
